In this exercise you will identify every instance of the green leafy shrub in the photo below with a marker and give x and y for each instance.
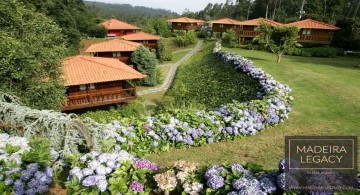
(314, 52)
(159, 76)
(184, 39)
(133, 109)
(230, 39)
(163, 52)
(145, 62)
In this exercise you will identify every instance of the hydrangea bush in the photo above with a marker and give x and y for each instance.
(25, 166)
(183, 128)
(110, 173)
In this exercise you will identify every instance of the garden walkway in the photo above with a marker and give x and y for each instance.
(170, 76)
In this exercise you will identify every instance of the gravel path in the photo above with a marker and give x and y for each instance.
(170, 76)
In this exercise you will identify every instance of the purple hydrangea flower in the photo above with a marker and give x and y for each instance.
(19, 185)
(237, 167)
(42, 189)
(13, 170)
(49, 171)
(89, 181)
(87, 171)
(215, 182)
(30, 191)
(101, 170)
(33, 167)
(102, 185)
(93, 164)
(25, 175)
(145, 164)
(9, 181)
(136, 186)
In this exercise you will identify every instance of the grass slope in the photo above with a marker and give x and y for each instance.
(206, 80)
(327, 102)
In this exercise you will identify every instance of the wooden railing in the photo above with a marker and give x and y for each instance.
(99, 98)
(314, 39)
(244, 33)
(151, 45)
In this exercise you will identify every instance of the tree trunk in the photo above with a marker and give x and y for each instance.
(325, 6)
(302, 8)
(274, 10)
(267, 9)
(278, 57)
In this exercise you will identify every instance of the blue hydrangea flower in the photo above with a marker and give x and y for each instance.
(93, 164)
(268, 185)
(102, 185)
(215, 182)
(87, 171)
(32, 168)
(9, 181)
(18, 185)
(31, 191)
(49, 171)
(101, 170)
(89, 181)
(13, 170)
(42, 189)
(26, 175)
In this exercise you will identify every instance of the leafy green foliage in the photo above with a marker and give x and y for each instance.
(145, 62)
(230, 39)
(206, 80)
(73, 17)
(278, 39)
(184, 39)
(163, 52)
(314, 52)
(134, 109)
(39, 152)
(31, 48)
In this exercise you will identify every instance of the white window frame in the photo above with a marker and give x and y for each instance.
(221, 25)
(92, 86)
(82, 87)
(179, 24)
(306, 31)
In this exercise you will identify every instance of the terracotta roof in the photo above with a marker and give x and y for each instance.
(225, 21)
(313, 24)
(85, 69)
(139, 36)
(186, 20)
(113, 46)
(256, 22)
(114, 24)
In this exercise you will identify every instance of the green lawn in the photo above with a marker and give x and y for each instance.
(327, 102)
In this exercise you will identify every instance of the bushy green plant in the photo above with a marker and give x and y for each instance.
(145, 62)
(314, 52)
(230, 39)
(163, 52)
(160, 76)
(133, 109)
(184, 39)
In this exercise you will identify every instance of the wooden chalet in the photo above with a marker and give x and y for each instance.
(148, 40)
(115, 48)
(95, 81)
(312, 31)
(118, 28)
(185, 23)
(248, 28)
(224, 24)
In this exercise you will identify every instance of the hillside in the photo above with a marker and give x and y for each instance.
(126, 11)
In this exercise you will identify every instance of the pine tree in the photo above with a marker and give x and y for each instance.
(145, 62)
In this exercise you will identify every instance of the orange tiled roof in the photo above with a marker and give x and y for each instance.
(113, 46)
(225, 21)
(85, 69)
(186, 20)
(313, 24)
(139, 36)
(114, 24)
(256, 22)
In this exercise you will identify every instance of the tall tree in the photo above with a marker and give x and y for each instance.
(31, 48)
(278, 38)
(145, 62)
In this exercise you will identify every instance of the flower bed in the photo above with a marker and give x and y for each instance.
(25, 166)
(183, 128)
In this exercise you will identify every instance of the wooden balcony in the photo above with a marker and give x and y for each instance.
(151, 45)
(244, 33)
(94, 99)
(314, 39)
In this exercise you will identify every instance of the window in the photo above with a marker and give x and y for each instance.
(221, 26)
(255, 28)
(82, 87)
(145, 42)
(116, 54)
(92, 86)
(191, 24)
(306, 31)
(179, 24)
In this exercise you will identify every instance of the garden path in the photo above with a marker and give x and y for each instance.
(170, 76)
